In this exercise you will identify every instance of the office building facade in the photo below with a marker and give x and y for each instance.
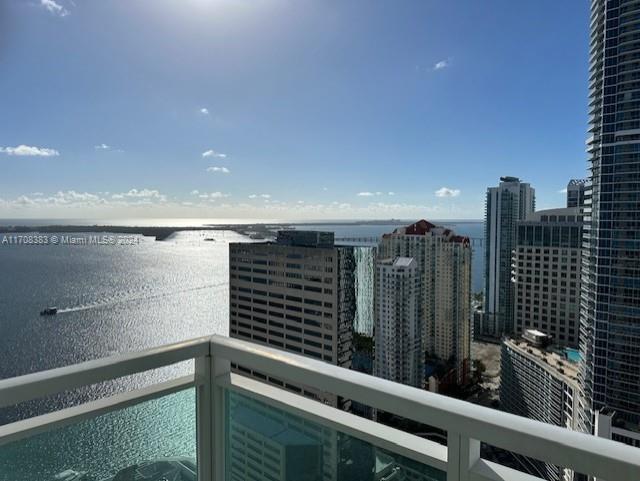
(399, 352)
(610, 308)
(444, 263)
(510, 202)
(297, 294)
(546, 274)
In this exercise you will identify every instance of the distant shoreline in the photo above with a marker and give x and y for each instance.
(163, 232)
(160, 233)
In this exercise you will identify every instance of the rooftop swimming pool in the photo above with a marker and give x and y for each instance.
(573, 355)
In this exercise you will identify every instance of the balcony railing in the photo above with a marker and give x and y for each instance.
(230, 409)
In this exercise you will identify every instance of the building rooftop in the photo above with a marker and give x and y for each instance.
(508, 178)
(305, 238)
(578, 182)
(560, 215)
(403, 261)
(398, 261)
(424, 227)
(554, 361)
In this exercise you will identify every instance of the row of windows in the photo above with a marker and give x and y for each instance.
(280, 305)
(282, 345)
(277, 295)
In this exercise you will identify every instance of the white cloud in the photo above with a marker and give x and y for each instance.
(55, 8)
(447, 192)
(141, 202)
(60, 198)
(372, 194)
(26, 150)
(222, 170)
(106, 147)
(212, 195)
(442, 64)
(145, 194)
(204, 111)
(213, 153)
(73, 196)
(195, 192)
(562, 191)
(98, 202)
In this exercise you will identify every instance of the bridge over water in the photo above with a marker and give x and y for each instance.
(475, 241)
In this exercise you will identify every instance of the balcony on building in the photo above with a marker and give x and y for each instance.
(216, 424)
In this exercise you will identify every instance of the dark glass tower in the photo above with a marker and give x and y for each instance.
(510, 202)
(610, 305)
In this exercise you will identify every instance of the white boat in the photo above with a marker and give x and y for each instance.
(71, 475)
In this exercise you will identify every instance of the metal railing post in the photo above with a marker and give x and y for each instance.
(204, 433)
(210, 415)
(462, 454)
(219, 367)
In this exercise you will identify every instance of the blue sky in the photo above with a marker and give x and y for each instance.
(287, 109)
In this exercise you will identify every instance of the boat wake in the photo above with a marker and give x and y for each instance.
(115, 299)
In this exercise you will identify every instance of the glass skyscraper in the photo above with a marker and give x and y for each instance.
(510, 202)
(610, 306)
(364, 276)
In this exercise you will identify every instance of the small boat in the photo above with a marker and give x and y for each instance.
(49, 311)
(71, 475)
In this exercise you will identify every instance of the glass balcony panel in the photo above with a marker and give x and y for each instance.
(116, 446)
(265, 443)
(529, 465)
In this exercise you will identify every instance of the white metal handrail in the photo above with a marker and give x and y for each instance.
(471, 423)
(466, 424)
(44, 383)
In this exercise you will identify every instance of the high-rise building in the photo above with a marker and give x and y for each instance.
(610, 307)
(576, 189)
(510, 202)
(399, 353)
(444, 264)
(297, 294)
(364, 265)
(541, 384)
(546, 274)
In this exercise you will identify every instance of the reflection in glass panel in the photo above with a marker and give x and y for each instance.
(151, 441)
(266, 443)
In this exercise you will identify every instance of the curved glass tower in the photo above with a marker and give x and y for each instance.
(610, 305)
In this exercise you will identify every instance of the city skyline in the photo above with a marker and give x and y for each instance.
(183, 301)
(154, 116)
